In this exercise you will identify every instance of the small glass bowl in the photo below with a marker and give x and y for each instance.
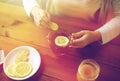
(51, 39)
(88, 70)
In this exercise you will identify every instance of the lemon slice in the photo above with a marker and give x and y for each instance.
(23, 69)
(22, 56)
(54, 26)
(61, 41)
(10, 70)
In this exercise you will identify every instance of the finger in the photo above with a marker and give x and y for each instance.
(77, 35)
(37, 23)
(77, 41)
(81, 42)
(74, 41)
(37, 19)
(41, 12)
(45, 20)
(75, 46)
(47, 14)
(39, 16)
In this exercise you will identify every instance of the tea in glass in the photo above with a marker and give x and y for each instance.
(88, 70)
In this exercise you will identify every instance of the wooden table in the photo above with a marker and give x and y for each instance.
(17, 29)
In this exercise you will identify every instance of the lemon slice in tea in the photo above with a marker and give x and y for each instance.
(88, 71)
(61, 41)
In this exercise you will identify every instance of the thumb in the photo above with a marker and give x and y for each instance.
(79, 43)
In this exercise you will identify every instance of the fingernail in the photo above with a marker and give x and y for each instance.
(71, 41)
(72, 33)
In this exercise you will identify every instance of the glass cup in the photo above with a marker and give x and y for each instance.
(58, 50)
(88, 70)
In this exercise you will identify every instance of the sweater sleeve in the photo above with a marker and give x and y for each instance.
(28, 5)
(112, 28)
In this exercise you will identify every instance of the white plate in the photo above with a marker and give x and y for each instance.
(34, 60)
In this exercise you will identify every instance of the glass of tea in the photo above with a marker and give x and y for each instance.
(58, 42)
(88, 70)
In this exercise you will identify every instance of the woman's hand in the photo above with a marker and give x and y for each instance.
(83, 38)
(40, 17)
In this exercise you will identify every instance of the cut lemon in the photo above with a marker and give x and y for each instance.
(23, 69)
(22, 56)
(10, 70)
(24, 52)
(54, 26)
(61, 41)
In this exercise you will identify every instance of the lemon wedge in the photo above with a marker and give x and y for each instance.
(61, 41)
(22, 69)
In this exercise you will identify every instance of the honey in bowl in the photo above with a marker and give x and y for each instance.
(88, 70)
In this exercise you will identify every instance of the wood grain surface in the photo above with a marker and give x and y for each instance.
(17, 29)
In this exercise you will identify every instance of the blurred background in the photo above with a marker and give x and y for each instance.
(15, 2)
